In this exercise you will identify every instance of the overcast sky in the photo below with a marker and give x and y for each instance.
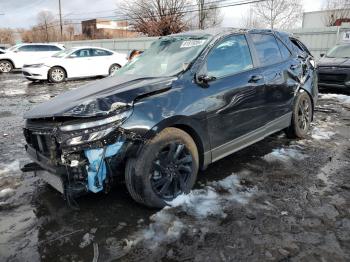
(22, 13)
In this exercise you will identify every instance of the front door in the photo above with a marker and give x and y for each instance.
(237, 93)
(81, 63)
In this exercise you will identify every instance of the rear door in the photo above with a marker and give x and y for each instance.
(237, 93)
(103, 60)
(275, 62)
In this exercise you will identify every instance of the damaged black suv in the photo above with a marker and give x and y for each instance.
(188, 101)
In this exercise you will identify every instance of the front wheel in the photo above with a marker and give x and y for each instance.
(166, 167)
(302, 116)
(5, 66)
(57, 74)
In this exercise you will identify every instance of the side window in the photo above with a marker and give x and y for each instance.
(300, 47)
(284, 50)
(267, 49)
(43, 48)
(53, 48)
(27, 48)
(100, 52)
(230, 56)
(82, 53)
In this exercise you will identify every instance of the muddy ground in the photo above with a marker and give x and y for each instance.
(278, 200)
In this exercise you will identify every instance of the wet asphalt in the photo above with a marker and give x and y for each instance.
(300, 210)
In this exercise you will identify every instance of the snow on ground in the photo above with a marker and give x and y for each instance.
(9, 168)
(284, 155)
(320, 133)
(200, 204)
(6, 192)
(341, 98)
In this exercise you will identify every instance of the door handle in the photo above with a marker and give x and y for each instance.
(293, 67)
(255, 78)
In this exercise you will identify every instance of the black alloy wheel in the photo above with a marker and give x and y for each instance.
(171, 171)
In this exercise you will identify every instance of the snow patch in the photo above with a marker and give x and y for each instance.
(87, 240)
(341, 98)
(9, 168)
(6, 192)
(319, 133)
(284, 155)
(166, 227)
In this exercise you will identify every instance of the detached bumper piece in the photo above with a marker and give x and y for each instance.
(59, 177)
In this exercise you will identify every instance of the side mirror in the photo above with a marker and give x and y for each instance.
(203, 80)
(322, 55)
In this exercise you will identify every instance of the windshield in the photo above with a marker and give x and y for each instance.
(339, 51)
(167, 56)
(63, 53)
(12, 48)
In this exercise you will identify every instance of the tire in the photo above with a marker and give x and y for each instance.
(57, 74)
(5, 66)
(156, 176)
(302, 116)
(113, 68)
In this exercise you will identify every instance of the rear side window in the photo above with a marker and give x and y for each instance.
(54, 48)
(284, 50)
(100, 52)
(230, 56)
(267, 49)
(299, 47)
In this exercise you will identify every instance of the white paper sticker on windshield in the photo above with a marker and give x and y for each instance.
(192, 43)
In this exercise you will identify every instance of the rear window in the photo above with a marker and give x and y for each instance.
(267, 49)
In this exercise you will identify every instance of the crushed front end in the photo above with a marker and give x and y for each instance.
(78, 155)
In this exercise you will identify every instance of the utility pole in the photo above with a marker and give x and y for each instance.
(60, 11)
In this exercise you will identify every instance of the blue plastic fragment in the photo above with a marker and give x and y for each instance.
(97, 167)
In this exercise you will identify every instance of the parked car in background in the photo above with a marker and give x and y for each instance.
(186, 102)
(16, 56)
(334, 68)
(77, 62)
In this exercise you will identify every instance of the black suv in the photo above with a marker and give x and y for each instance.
(188, 101)
(334, 68)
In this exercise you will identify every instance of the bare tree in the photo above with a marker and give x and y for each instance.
(156, 17)
(336, 10)
(278, 13)
(249, 19)
(45, 21)
(7, 36)
(208, 14)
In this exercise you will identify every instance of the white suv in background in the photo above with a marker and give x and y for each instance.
(16, 56)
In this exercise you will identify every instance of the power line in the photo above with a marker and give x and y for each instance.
(238, 3)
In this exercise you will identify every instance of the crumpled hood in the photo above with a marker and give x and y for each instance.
(100, 97)
(333, 61)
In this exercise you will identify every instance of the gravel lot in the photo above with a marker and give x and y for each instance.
(278, 200)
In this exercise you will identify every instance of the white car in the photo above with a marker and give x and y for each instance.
(16, 56)
(78, 62)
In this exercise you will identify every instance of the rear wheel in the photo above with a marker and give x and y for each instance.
(57, 74)
(5, 66)
(302, 116)
(113, 68)
(166, 167)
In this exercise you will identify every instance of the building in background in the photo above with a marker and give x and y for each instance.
(326, 18)
(101, 28)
